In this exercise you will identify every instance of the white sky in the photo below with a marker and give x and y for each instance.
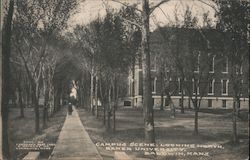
(91, 9)
(73, 90)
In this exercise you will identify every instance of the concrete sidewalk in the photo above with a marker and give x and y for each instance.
(74, 142)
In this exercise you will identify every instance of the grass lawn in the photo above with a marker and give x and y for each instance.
(23, 129)
(214, 128)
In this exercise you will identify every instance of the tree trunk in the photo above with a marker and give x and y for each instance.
(162, 101)
(80, 97)
(25, 95)
(55, 101)
(133, 85)
(45, 117)
(234, 118)
(104, 114)
(52, 100)
(6, 48)
(92, 90)
(96, 97)
(61, 99)
(57, 98)
(109, 107)
(196, 122)
(28, 95)
(50, 93)
(182, 99)
(196, 118)
(162, 91)
(83, 94)
(116, 91)
(1, 83)
(103, 102)
(45, 106)
(21, 102)
(114, 121)
(147, 93)
(50, 103)
(36, 106)
(238, 106)
(80, 93)
(189, 103)
(172, 107)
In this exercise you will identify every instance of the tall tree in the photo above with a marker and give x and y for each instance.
(18, 77)
(6, 54)
(146, 69)
(233, 19)
(55, 50)
(87, 40)
(164, 65)
(109, 44)
(34, 24)
(1, 76)
(192, 60)
(117, 54)
(133, 37)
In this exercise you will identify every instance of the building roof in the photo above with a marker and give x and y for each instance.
(199, 38)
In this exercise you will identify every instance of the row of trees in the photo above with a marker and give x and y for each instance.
(233, 22)
(107, 48)
(31, 51)
(190, 50)
(104, 50)
(187, 54)
(182, 54)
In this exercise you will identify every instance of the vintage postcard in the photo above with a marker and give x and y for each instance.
(124, 80)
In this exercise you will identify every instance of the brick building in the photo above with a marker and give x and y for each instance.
(218, 92)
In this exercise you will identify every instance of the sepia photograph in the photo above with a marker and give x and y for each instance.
(124, 79)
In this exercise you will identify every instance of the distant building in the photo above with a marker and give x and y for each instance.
(219, 88)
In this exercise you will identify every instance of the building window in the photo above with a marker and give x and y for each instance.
(239, 69)
(154, 64)
(197, 64)
(225, 66)
(154, 85)
(224, 87)
(211, 87)
(224, 103)
(210, 103)
(211, 64)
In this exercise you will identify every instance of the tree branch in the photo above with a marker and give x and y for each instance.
(124, 4)
(204, 37)
(131, 22)
(25, 63)
(43, 54)
(167, 16)
(210, 5)
(157, 5)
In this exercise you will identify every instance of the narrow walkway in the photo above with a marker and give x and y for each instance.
(74, 142)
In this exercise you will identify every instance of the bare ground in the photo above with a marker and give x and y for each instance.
(215, 127)
(23, 129)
